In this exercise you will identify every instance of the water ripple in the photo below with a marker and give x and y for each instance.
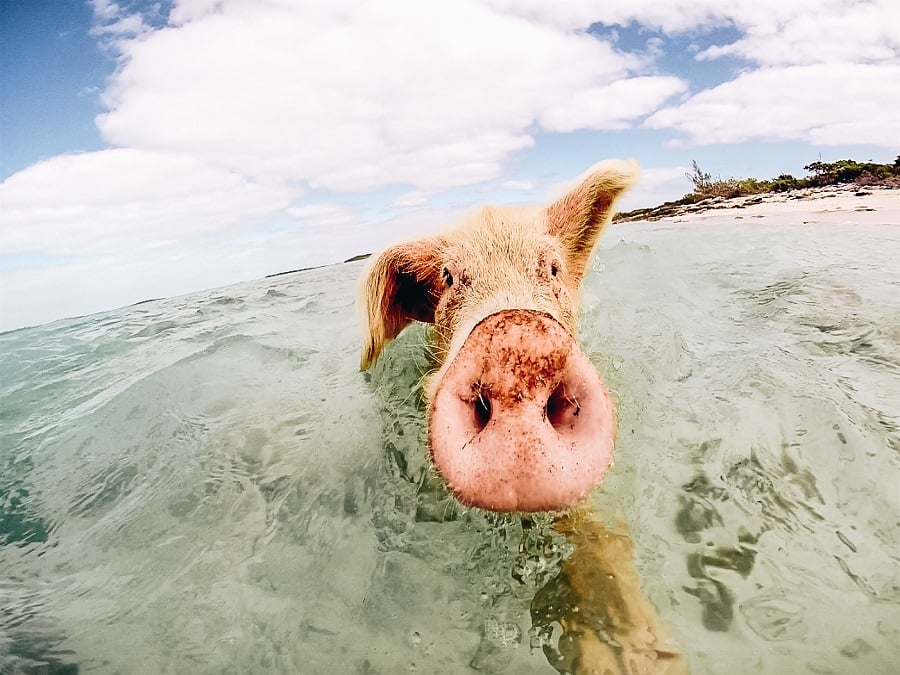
(207, 482)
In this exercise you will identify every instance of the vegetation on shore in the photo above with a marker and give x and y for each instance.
(821, 174)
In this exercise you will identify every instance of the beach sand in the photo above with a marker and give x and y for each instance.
(833, 205)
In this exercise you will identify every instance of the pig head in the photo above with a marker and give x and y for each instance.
(518, 419)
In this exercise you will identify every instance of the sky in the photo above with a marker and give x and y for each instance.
(151, 149)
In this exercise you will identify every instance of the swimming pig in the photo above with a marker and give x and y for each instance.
(518, 419)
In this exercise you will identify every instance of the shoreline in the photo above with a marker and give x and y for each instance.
(867, 204)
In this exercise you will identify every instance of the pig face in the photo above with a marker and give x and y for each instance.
(518, 417)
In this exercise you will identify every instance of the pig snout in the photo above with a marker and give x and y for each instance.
(520, 420)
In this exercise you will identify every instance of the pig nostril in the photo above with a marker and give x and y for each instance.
(562, 408)
(482, 406)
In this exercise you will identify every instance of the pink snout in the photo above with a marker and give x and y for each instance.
(520, 420)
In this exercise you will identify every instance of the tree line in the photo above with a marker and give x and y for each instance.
(821, 174)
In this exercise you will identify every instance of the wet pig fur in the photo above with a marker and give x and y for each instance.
(518, 419)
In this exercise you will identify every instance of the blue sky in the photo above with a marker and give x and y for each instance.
(150, 149)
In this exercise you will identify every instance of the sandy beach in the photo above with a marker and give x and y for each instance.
(832, 205)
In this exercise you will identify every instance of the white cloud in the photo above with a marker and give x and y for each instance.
(671, 17)
(322, 215)
(824, 104)
(360, 95)
(118, 200)
(113, 21)
(614, 106)
(408, 199)
(130, 25)
(825, 73)
(761, 23)
(803, 33)
(105, 10)
(189, 10)
(657, 185)
(407, 225)
(518, 185)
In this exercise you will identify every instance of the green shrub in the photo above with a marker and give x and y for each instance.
(823, 173)
(784, 183)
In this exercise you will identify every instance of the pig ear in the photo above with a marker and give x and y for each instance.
(579, 218)
(402, 286)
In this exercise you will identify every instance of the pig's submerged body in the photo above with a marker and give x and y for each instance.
(207, 482)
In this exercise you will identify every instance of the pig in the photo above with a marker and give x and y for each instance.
(518, 418)
(608, 625)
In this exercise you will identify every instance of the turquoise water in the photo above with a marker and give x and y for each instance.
(208, 484)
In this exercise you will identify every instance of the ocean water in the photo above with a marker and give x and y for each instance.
(207, 484)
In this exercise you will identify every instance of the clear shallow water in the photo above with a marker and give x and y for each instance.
(207, 484)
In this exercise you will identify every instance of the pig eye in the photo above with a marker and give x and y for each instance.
(447, 277)
(554, 269)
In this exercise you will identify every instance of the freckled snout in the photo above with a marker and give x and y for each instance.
(520, 420)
